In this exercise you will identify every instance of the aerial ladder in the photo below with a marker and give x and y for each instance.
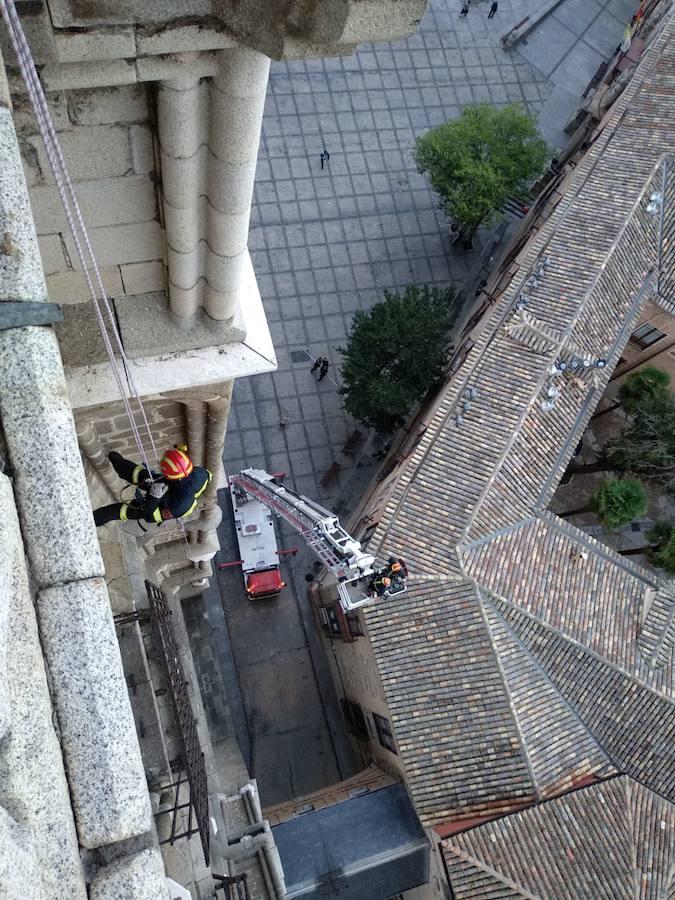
(359, 580)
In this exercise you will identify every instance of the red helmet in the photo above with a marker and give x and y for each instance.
(176, 464)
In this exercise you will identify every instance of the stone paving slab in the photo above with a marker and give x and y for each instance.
(568, 46)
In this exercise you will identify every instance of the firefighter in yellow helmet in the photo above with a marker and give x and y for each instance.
(171, 494)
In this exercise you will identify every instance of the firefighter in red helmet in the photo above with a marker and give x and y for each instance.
(173, 494)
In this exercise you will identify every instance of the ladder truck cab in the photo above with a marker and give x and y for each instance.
(360, 580)
(257, 541)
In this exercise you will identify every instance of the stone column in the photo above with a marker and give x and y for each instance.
(91, 446)
(218, 410)
(195, 426)
(237, 103)
(180, 124)
(209, 141)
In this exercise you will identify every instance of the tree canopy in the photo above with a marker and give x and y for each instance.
(640, 387)
(662, 554)
(618, 501)
(646, 447)
(477, 161)
(395, 352)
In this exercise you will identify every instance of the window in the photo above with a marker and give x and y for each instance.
(330, 624)
(646, 335)
(356, 721)
(384, 735)
(354, 623)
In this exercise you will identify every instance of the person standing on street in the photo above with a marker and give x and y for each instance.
(324, 369)
(465, 8)
(318, 362)
(493, 9)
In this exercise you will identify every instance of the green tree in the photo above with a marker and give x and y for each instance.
(661, 547)
(638, 388)
(395, 352)
(662, 554)
(477, 161)
(645, 447)
(616, 502)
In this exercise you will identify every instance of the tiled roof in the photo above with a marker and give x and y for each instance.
(518, 661)
(612, 840)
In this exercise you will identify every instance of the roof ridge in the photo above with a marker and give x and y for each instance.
(592, 653)
(657, 631)
(633, 843)
(488, 870)
(507, 690)
(599, 549)
(518, 640)
(497, 533)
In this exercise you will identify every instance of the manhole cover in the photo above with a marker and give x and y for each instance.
(298, 356)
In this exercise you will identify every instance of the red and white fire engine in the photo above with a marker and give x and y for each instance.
(360, 580)
(258, 549)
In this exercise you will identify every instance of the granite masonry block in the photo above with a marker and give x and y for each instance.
(119, 244)
(142, 150)
(33, 787)
(21, 275)
(98, 736)
(19, 868)
(73, 46)
(144, 278)
(108, 106)
(100, 151)
(72, 287)
(11, 543)
(41, 439)
(137, 877)
(51, 253)
(105, 201)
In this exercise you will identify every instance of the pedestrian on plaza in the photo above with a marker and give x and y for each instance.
(324, 369)
(465, 8)
(318, 362)
(493, 9)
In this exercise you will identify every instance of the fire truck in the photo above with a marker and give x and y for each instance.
(360, 580)
(257, 541)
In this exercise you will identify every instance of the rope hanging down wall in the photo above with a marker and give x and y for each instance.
(78, 229)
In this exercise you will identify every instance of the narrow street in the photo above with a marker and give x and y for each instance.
(296, 745)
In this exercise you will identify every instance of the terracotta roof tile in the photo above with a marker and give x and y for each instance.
(611, 840)
(534, 674)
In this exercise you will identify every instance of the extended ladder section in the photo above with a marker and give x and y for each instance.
(321, 530)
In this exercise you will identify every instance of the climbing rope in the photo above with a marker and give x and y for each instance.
(75, 221)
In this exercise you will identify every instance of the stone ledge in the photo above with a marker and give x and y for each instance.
(33, 786)
(148, 327)
(40, 433)
(174, 370)
(138, 877)
(98, 735)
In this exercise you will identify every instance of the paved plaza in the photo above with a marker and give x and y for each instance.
(328, 241)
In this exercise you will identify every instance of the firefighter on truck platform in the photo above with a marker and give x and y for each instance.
(389, 580)
(172, 495)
